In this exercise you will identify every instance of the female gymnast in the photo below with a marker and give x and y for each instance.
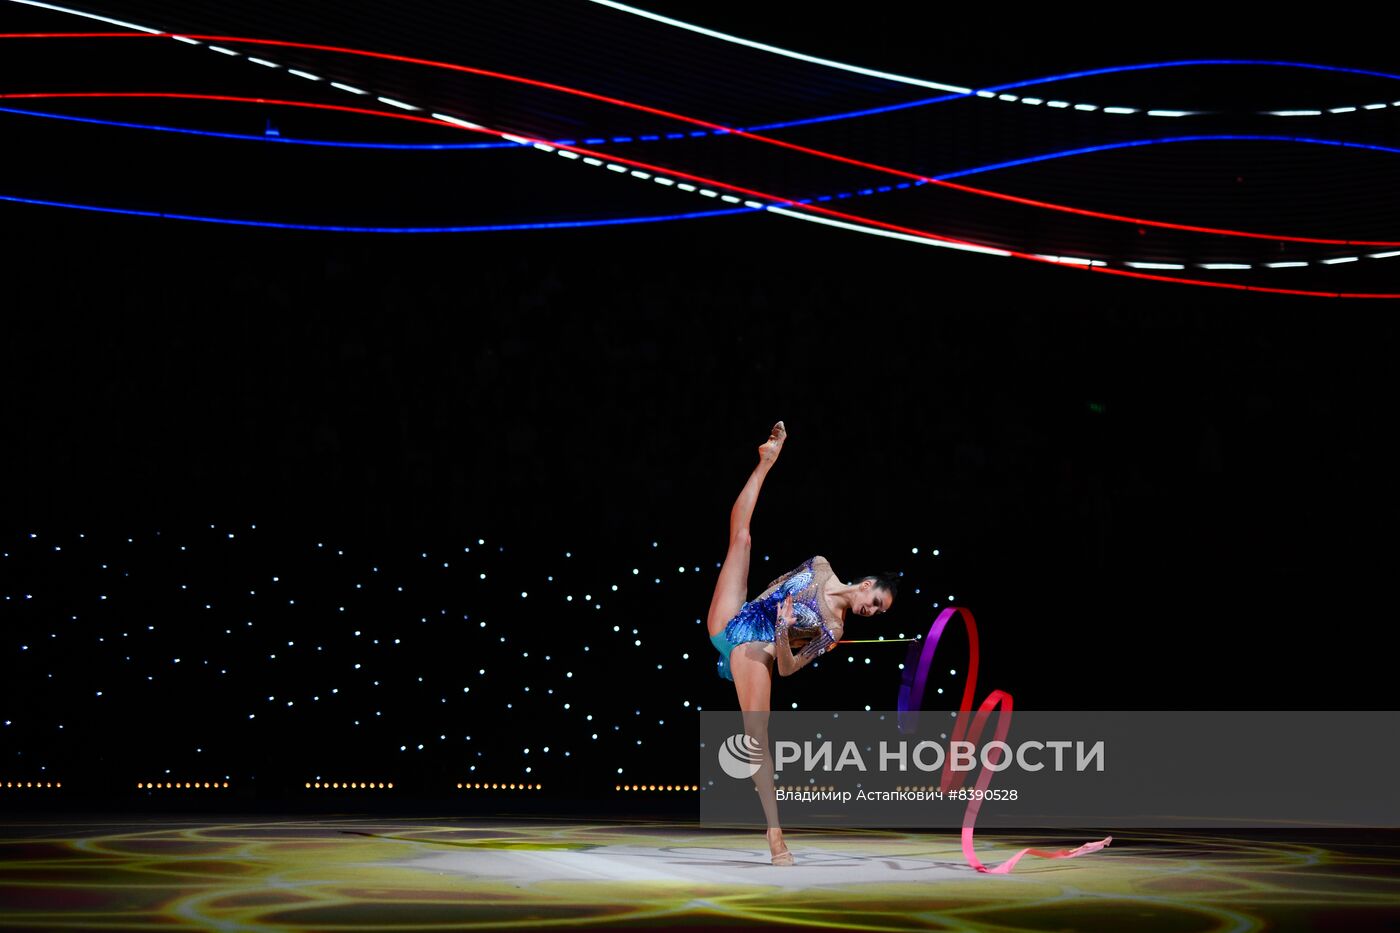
(811, 602)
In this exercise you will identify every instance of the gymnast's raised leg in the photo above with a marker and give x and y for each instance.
(752, 662)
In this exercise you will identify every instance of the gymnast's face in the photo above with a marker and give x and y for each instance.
(871, 600)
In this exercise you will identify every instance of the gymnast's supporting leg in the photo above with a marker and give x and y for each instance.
(733, 583)
(753, 679)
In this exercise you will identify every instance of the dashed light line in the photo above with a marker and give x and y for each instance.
(826, 221)
(904, 79)
(448, 118)
(717, 129)
(1069, 260)
(1072, 260)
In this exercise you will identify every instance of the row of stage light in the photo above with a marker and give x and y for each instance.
(335, 785)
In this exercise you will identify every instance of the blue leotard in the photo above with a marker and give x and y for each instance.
(757, 619)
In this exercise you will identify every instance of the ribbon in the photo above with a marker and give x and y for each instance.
(911, 694)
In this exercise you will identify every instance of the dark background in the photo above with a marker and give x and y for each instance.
(1151, 496)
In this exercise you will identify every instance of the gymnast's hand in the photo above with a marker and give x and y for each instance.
(785, 616)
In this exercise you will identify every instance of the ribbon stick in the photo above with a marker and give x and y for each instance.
(911, 695)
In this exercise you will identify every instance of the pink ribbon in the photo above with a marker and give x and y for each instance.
(911, 695)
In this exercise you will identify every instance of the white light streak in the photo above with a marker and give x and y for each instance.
(786, 53)
(459, 121)
(892, 234)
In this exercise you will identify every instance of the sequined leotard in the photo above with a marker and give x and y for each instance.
(757, 619)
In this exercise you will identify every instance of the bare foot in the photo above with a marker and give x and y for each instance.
(768, 451)
(779, 852)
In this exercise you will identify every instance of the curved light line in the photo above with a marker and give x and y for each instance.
(338, 228)
(1137, 143)
(786, 53)
(230, 98)
(251, 137)
(86, 15)
(1088, 266)
(1193, 63)
(975, 170)
(589, 95)
(991, 92)
(959, 92)
(609, 221)
(541, 144)
(956, 90)
(862, 224)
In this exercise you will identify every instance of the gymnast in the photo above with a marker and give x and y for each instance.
(805, 608)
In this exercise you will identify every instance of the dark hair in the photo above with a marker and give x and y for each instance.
(889, 580)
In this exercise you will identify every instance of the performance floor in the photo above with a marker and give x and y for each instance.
(349, 873)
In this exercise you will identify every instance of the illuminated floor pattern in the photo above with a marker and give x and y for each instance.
(453, 874)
